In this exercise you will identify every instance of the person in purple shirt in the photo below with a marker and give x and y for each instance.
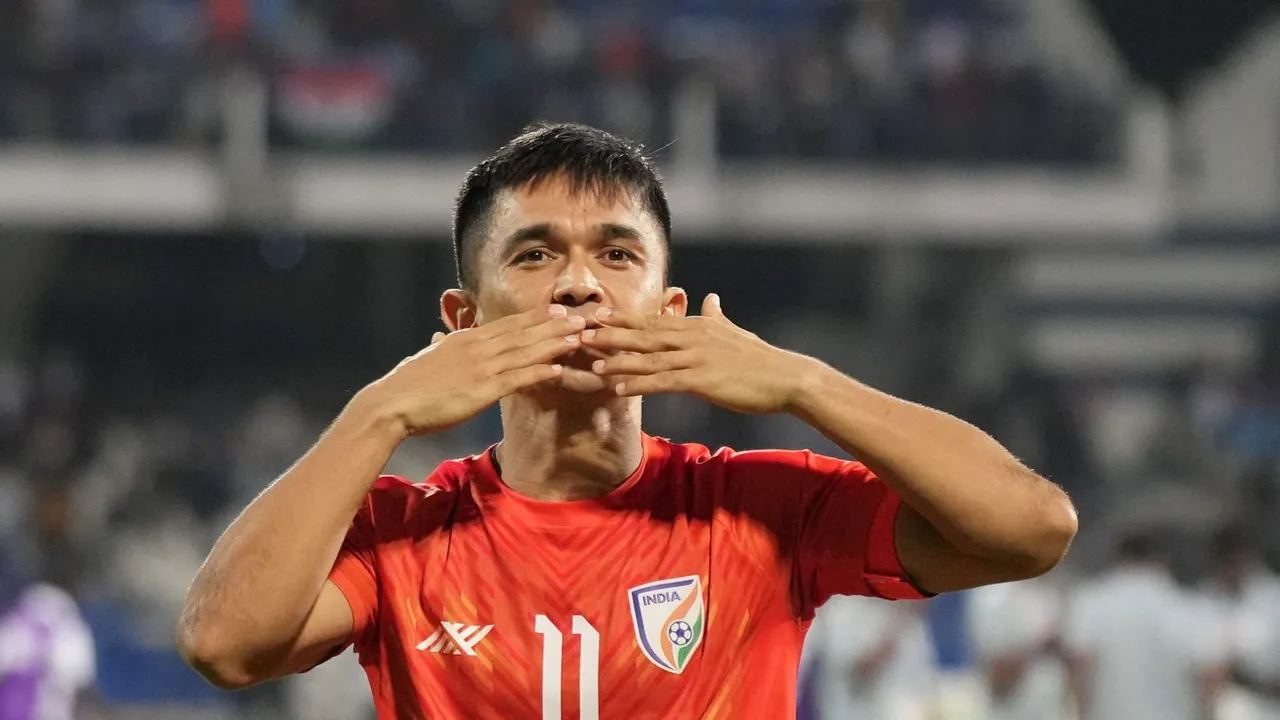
(46, 650)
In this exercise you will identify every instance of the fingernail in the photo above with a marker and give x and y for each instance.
(571, 339)
(604, 312)
(558, 311)
(597, 366)
(577, 321)
(588, 334)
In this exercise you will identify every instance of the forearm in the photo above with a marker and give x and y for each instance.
(1005, 673)
(1210, 684)
(255, 590)
(1079, 672)
(978, 497)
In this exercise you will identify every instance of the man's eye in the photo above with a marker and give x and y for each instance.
(532, 256)
(619, 255)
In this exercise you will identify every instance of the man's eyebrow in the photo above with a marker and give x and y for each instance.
(541, 231)
(616, 231)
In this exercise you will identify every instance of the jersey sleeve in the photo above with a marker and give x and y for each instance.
(355, 575)
(845, 544)
(833, 521)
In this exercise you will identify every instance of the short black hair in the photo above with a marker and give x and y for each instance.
(593, 161)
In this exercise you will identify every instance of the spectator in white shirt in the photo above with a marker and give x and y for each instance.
(1141, 646)
(1247, 594)
(1016, 633)
(873, 658)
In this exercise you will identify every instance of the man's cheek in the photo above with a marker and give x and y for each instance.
(501, 304)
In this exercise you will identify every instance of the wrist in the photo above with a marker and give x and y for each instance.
(807, 383)
(369, 414)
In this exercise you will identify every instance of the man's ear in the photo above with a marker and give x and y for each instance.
(675, 301)
(458, 309)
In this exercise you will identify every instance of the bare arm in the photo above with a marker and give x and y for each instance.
(1080, 681)
(262, 606)
(1005, 673)
(972, 514)
(1210, 682)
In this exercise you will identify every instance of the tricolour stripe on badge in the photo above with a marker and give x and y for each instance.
(669, 647)
(685, 651)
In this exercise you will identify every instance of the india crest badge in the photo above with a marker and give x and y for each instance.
(669, 618)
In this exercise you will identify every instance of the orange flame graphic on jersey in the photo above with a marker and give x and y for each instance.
(668, 647)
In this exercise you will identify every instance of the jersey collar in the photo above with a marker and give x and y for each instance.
(494, 495)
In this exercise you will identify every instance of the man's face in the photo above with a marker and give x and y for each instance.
(548, 245)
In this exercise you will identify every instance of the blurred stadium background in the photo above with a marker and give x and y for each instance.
(220, 218)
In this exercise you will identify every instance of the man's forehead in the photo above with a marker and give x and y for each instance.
(566, 206)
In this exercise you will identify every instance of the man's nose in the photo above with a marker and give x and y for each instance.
(578, 286)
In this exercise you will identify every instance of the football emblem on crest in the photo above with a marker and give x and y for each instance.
(668, 619)
(680, 633)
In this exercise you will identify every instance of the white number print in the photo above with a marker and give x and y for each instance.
(588, 667)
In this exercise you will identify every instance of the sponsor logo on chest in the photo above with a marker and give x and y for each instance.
(453, 638)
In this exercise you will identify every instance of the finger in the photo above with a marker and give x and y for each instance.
(629, 340)
(536, 354)
(584, 381)
(711, 306)
(556, 327)
(525, 377)
(624, 317)
(647, 364)
(520, 321)
(671, 381)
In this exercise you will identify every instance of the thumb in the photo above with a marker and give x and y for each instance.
(711, 306)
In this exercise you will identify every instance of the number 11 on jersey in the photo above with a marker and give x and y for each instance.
(552, 663)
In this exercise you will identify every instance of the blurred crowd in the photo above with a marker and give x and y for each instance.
(877, 80)
(117, 502)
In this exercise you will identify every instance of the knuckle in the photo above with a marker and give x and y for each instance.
(520, 338)
(522, 357)
(478, 392)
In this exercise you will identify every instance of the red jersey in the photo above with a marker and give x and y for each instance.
(684, 593)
